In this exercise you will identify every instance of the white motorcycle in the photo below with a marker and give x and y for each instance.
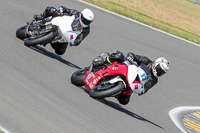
(61, 29)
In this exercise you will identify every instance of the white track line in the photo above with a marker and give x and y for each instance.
(141, 23)
(174, 115)
(4, 130)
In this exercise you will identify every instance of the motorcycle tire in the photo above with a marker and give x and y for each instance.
(78, 77)
(97, 93)
(20, 33)
(34, 40)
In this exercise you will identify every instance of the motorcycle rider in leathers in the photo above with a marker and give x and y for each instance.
(157, 68)
(81, 23)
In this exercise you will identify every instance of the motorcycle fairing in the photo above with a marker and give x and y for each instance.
(91, 79)
(65, 28)
(142, 72)
(132, 73)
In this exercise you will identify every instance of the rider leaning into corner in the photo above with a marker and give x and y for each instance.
(82, 21)
(157, 68)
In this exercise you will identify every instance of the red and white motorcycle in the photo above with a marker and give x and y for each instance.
(112, 80)
(50, 30)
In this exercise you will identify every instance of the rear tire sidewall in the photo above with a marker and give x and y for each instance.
(20, 33)
(77, 78)
(118, 87)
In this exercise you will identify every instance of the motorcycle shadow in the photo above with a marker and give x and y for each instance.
(121, 109)
(53, 56)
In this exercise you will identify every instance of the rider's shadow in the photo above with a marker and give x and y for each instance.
(121, 109)
(53, 56)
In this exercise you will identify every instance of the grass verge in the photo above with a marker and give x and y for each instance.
(160, 21)
(1, 131)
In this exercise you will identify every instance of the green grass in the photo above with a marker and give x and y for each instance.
(147, 19)
(1, 131)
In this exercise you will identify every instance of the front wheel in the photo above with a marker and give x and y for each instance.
(78, 77)
(107, 90)
(34, 40)
(20, 33)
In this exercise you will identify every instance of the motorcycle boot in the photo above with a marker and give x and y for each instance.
(59, 48)
(124, 99)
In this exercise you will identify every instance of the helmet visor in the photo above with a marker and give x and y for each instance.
(159, 70)
(84, 20)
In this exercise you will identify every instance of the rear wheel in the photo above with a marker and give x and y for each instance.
(20, 33)
(78, 77)
(106, 90)
(34, 40)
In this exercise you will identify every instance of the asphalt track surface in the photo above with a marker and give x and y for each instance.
(36, 95)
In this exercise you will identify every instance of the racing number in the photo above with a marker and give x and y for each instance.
(144, 77)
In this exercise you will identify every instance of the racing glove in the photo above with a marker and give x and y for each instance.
(141, 93)
(60, 9)
(38, 17)
(130, 57)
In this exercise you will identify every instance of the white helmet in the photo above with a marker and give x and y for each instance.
(160, 66)
(86, 17)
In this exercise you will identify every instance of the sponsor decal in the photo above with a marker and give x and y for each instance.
(136, 87)
(91, 85)
(114, 68)
(88, 77)
(71, 37)
(93, 75)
